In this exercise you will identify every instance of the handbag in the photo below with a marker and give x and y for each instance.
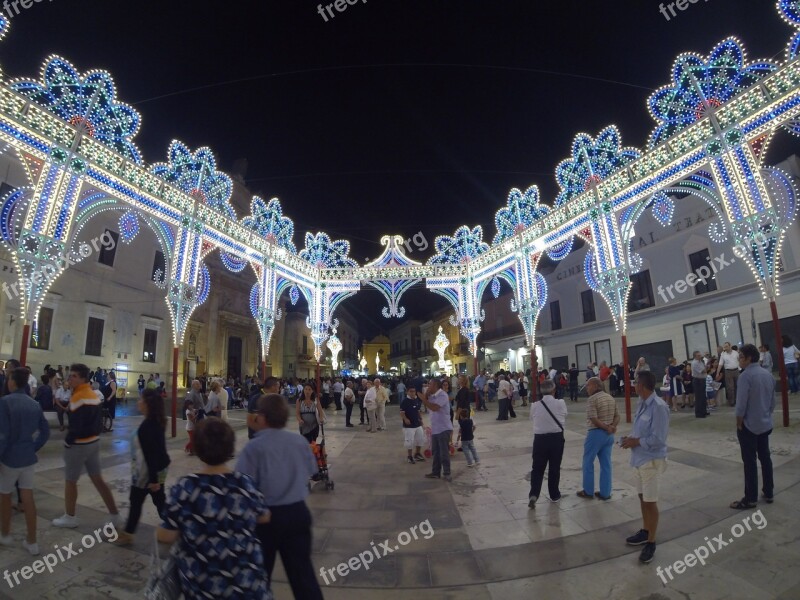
(164, 581)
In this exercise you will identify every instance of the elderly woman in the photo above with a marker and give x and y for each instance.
(213, 515)
(215, 398)
(549, 416)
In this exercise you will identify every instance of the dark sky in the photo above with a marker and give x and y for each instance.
(395, 116)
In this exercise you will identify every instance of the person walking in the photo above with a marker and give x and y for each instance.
(755, 403)
(82, 447)
(466, 434)
(23, 432)
(549, 416)
(729, 365)
(109, 391)
(413, 434)
(370, 405)
(149, 461)
(573, 383)
(790, 357)
(504, 392)
(281, 463)
(213, 407)
(349, 401)
(214, 514)
(699, 374)
(602, 418)
(337, 388)
(309, 413)
(436, 400)
(381, 398)
(648, 444)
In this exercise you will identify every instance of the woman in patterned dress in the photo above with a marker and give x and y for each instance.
(213, 515)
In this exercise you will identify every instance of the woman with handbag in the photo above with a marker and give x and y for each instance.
(212, 515)
(309, 413)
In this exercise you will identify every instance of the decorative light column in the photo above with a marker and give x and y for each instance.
(440, 344)
(335, 346)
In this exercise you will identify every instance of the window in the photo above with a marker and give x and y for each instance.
(107, 254)
(641, 295)
(150, 339)
(706, 283)
(159, 267)
(94, 337)
(305, 344)
(587, 302)
(555, 316)
(419, 345)
(40, 333)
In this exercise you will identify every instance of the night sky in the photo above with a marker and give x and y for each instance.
(394, 116)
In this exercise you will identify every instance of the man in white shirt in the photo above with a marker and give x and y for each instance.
(371, 405)
(549, 416)
(729, 363)
(381, 398)
(504, 392)
(338, 388)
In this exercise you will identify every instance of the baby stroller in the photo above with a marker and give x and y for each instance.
(322, 462)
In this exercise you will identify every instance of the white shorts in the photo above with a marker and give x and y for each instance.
(647, 477)
(413, 437)
(9, 477)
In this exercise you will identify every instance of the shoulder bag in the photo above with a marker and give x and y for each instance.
(560, 426)
(164, 581)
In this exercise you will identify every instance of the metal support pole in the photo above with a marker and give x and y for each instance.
(781, 364)
(23, 350)
(175, 352)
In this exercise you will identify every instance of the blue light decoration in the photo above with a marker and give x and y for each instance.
(196, 174)
(294, 295)
(663, 209)
(268, 221)
(203, 285)
(255, 300)
(463, 247)
(128, 226)
(495, 287)
(790, 12)
(700, 85)
(519, 213)
(323, 253)
(233, 263)
(5, 24)
(87, 102)
(394, 284)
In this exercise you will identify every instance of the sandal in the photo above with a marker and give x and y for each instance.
(743, 504)
(583, 494)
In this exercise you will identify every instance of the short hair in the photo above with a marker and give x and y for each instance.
(751, 352)
(274, 409)
(19, 375)
(435, 381)
(45, 379)
(766, 346)
(80, 370)
(270, 382)
(548, 386)
(647, 379)
(214, 441)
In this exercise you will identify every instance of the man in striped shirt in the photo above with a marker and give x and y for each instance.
(82, 446)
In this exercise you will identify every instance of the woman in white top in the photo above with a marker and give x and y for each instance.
(790, 354)
(549, 416)
(213, 406)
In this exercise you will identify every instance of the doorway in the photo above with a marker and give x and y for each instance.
(234, 357)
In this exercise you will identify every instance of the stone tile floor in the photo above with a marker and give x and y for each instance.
(486, 542)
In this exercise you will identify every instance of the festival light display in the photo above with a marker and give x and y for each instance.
(714, 120)
(440, 344)
(334, 345)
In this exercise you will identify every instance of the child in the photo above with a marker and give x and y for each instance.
(191, 418)
(712, 387)
(467, 437)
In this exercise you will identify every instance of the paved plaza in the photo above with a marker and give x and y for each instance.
(486, 542)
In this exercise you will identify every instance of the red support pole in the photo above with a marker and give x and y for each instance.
(627, 376)
(319, 383)
(781, 364)
(175, 352)
(534, 380)
(23, 350)
(262, 370)
(477, 399)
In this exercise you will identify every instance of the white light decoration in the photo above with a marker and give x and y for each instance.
(714, 121)
(440, 344)
(334, 345)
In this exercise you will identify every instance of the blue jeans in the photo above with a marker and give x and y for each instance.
(791, 375)
(440, 447)
(598, 444)
(468, 446)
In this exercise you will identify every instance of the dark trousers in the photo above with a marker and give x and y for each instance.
(440, 448)
(548, 448)
(573, 391)
(699, 385)
(503, 405)
(289, 532)
(137, 498)
(753, 445)
(349, 408)
(326, 401)
(363, 412)
(337, 398)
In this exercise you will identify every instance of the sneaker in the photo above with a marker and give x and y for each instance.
(432, 476)
(6, 540)
(555, 499)
(532, 501)
(32, 548)
(448, 479)
(477, 462)
(67, 521)
(647, 552)
(419, 458)
(470, 465)
(768, 499)
(638, 538)
(410, 460)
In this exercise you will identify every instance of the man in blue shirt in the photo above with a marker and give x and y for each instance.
(755, 403)
(281, 463)
(648, 445)
(479, 382)
(20, 418)
(437, 401)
